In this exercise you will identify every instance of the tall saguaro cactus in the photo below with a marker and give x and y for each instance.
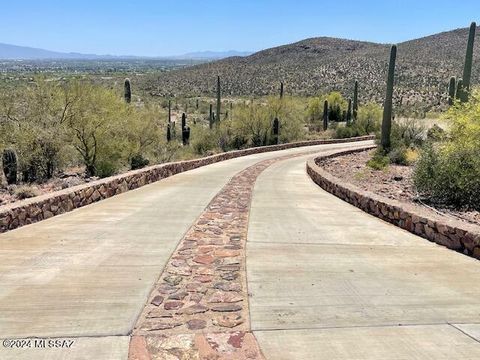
(184, 120)
(127, 91)
(388, 105)
(355, 101)
(10, 166)
(219, 100)
(349, 111)
(281, 90)
(467, 69)
(459, 93)
(325, 115)
(276, 129)
(169, 133)
(210, 117)
(451, 90)
(169, 111)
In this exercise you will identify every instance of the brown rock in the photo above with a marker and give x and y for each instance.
(224, 297)
(196, 287)
(196, 324)
(203, 278)
(173, 305)
(178, 295)
(173, 280)
(204, 259)
(226, 253)
(228, 286)
(162, 325)
(157, 300)
(193, 309)
(222, 307)
(228, 320)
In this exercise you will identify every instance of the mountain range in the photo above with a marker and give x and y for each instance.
(14, 52)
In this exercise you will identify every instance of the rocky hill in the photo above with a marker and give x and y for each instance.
(311, 66)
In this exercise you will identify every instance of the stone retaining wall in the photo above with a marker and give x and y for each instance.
(45, 206)
(454, 234)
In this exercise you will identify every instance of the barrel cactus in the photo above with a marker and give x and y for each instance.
(388, 105)
(128, 91)
(10, 166)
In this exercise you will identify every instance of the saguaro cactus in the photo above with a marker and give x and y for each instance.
(281, 90)
(349, 111)
(169, 111)
(210, 117)
(219, 100)
(184, 120)
(325, 115)
(10, 166)
(276, 129)
(169, 133)
(186, 135)
(467, 70)
(387, 108)
(451, 90)
(459, 93)
(128, 91)
(355, 101)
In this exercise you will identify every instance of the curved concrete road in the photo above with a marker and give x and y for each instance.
(328, 281)
(87, 274)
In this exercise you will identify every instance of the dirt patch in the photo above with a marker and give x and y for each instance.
(395, 182)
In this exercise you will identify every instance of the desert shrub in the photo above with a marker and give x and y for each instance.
(378, 161)
(34, 120)
(25, 192)
(369, 118)
(407, 133)
(368, 122)
(448, 171)
(436, 133)
(204, 139)
(138, 161)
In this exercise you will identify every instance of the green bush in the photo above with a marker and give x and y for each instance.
(448, 171)
(368, 122)
(379, 161)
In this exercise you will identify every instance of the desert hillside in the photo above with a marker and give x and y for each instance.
(315, 65)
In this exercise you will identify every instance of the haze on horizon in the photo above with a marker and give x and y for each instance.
(164, 28)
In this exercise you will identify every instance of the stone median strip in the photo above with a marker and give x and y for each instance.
(199, 307)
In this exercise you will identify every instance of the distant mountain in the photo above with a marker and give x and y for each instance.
(14, 52)
(316, 65)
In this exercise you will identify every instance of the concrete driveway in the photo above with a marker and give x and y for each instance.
(87, 274)
(328, 281)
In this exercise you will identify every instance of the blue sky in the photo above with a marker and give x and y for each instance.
(167, 27)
